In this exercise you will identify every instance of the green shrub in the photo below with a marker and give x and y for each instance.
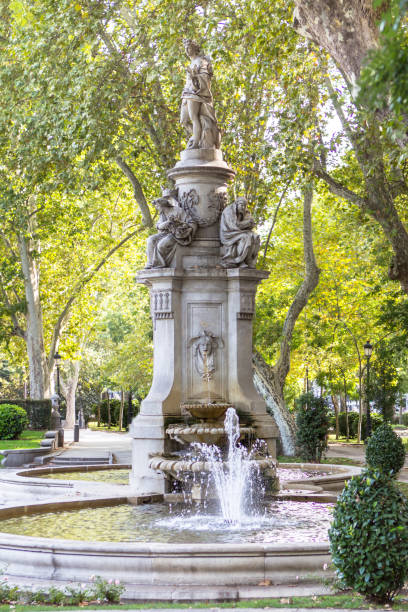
(353, 424)
(38, 411)
(376, 421)
(114, 405)
(312, 422)
(13, 420)
(369, 536)
(404, 419)
(385, 450)
(115, 411)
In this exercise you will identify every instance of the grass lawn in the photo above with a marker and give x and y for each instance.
(28, 439)
(346, 600)
(330, 460)
(341, 439)
(93, 425)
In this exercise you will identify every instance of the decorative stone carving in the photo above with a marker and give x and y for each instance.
(217, 198)
(241, 244)
(161, 306)
(175, 226)
(197, 108)
(247, 306)
(205, 345)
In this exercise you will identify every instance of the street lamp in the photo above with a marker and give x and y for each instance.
(368, 350)
(55, 414)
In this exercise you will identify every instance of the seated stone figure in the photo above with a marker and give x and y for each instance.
(175, 227)
(241, 244)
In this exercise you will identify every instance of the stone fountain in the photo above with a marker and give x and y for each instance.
(202, 279)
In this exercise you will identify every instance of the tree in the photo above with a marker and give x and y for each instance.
(348, 31)
(272, 379)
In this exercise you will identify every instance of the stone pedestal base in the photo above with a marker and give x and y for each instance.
(185, 304)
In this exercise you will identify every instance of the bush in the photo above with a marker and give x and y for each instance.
(404, 419)
(38, 411)
(115, 411)
(312, 421)
(385, 450)
(13, 420)
(376, 421)
(353, 424)
(114, 405)
(369, 536)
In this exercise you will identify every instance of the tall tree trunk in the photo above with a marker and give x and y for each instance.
(270, 380)
(336, 414)
(37, 361)
(122, 405)
(69, 384)
(266, 384)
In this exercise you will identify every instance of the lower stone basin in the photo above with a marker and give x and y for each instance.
(148, 562)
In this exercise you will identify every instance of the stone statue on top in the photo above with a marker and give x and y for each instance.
(197, 108)
(240, 243)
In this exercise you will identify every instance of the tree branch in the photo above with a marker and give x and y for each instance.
(339, 110)
(137, 191)
(336, 187)
(275, 216)
(62, 319)
(308, 285)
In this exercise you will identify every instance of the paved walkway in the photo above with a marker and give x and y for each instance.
(98, 445)
(356, 452)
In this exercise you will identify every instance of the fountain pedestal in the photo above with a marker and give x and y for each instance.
(202, 325)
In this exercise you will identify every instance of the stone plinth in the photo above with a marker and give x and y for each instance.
(183, 304)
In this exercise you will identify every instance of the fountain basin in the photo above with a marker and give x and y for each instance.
(146, 563)
(210, 411)
(209, 433)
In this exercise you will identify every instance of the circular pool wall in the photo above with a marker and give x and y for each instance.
(154, 563)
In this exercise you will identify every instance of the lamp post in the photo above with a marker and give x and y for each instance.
(57, 359)
(57, 417)
(368, 350)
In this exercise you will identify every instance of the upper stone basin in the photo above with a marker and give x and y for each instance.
(208, 412)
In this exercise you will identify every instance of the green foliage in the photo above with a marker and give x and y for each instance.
(369, 536)
(352, 421)
(102, 591)
(38, 411)
(107, 590)
(115, 411)
(376, 421)
(312, 423)
(385, 450)
(384, 79)
(13, 420)
(8, 593)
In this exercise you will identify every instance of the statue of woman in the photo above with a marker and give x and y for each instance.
(239, 241)
(197, 108)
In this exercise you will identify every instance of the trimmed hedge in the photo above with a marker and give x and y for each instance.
(13, 421)
(369, 536)
(385, 450)
(38, 411)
